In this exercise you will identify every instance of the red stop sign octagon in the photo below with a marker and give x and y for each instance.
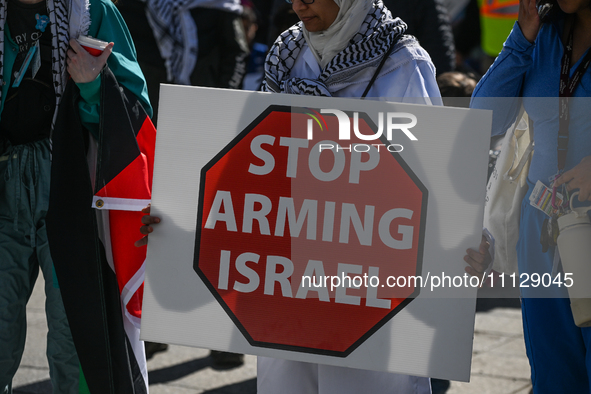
(281, 216)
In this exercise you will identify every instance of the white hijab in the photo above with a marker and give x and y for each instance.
(326, 44)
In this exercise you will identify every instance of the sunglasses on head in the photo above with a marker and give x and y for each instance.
(303, 1)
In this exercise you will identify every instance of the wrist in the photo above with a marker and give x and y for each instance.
(90, 91)
(529, 33)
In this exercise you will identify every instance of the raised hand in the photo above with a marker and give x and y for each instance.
(528, 19)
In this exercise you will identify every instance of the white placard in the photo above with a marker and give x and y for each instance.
(428, 336)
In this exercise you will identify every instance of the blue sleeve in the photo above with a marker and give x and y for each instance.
(108, 25)
(501, 86)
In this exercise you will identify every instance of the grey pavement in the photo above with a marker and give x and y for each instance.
(499, 363)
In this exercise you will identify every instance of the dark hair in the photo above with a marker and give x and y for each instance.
(456, 84)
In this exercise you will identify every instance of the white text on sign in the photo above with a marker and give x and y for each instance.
(314, 268)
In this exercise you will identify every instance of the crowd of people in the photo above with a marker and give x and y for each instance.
(417, 51)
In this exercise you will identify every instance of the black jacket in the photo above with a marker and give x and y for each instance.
(427, 20)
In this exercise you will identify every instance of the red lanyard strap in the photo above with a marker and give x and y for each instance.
(566, 90)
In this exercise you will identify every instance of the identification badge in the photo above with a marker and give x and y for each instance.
(21, 73)
(36, 63)
(541, 198)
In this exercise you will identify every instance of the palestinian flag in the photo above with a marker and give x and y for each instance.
(98, 188)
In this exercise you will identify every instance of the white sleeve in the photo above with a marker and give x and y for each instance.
(410, 80)
(422, 87)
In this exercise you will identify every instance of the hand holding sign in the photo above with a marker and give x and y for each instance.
(478, 260)
(146, 229)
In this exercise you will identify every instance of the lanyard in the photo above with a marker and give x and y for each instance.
(21, 73)
(566, 90)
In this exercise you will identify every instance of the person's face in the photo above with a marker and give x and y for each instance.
(573, 6)
(317, 16)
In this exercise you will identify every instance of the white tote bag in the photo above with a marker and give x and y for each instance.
(505, 190)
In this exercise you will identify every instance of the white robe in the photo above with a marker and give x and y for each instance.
(407, 76)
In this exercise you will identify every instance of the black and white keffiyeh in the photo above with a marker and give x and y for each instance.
(176, 33)
(69, 18)
(378, 33)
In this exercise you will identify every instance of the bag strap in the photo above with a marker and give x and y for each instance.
(375, 74)
(513, 173)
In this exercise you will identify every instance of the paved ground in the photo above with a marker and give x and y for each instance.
(499, 364)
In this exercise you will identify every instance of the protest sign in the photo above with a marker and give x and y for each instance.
(316, 229)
